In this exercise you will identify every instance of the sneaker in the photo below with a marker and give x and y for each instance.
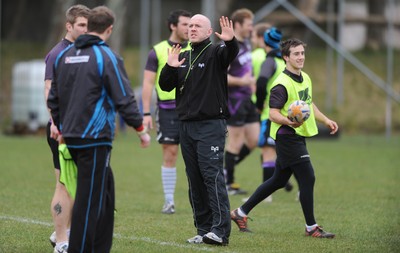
(319, 233)
(168, 208)
(211, 238)
(288, 187)
(234, 189)
(62, 249)
(195, 240)
(52, 239)
(240, 221)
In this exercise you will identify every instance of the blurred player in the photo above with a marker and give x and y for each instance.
(166, 116)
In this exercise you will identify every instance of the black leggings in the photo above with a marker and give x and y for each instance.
(304, 174)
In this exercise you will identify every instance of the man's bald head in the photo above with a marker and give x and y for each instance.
(199, 28)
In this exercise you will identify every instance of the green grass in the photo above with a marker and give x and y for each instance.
(356, 196)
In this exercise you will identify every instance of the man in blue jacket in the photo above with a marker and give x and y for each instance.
(89, 85)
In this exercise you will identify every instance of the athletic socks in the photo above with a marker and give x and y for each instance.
(309, 228)
(244, 151)
(241, 213)
(268, 170)
(169, 181)
(229, 167)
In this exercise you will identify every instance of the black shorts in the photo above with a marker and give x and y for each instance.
(167, 126)
(265, 140)
(291, 149)
(53, 144)
(243, 111)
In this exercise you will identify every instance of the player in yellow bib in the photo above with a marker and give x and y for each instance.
(165, 115)
(290, 137)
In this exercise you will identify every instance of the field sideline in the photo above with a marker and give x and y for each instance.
(356, 197)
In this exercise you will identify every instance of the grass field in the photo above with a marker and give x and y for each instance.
(356, 196)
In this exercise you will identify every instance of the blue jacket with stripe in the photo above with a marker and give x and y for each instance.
(89, 86)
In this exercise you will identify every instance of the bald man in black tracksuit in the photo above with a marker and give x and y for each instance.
(201, 103)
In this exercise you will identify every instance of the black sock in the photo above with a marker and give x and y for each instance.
(244, 151)
(229, 166)
(268, 170)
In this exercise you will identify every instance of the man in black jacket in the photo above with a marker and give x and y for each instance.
(200, 78)
(89, 85)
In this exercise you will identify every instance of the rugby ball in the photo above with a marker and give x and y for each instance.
(299, 111)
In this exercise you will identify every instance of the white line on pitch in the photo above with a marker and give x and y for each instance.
(119, 236)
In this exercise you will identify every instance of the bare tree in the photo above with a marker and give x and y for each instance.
(117, 39)
(375, 31)
(57, 19)
(308, 8)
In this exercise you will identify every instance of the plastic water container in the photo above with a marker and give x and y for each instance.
(28, 101)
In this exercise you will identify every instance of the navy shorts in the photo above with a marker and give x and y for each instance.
(265, 139)
(53, 144)
(243, 111)
(167, 126)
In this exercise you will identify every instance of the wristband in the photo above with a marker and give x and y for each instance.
(143, 132)
(147, 114)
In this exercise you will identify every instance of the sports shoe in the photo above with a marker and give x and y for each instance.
(319, 233)
(240, 221)
(168, 208)
(62, 249)
(234, 189)
(288, 186)
(195, 240)
(52, 239)
(211, 238)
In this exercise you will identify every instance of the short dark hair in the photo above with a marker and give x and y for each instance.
(100, 19)
(76, 11)
(173, 18)
(287, 44)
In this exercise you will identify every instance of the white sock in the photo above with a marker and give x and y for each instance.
(309, 228)
(241, 213)
(169, 181)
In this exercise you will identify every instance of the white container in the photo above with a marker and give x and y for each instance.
(28, 102)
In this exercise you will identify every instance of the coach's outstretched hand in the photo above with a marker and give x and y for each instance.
(227, 33)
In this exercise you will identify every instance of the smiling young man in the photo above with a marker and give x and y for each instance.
(290, 137)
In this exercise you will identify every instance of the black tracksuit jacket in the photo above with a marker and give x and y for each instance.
(90, 84)
(203, 95)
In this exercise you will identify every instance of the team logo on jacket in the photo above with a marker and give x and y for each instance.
(201, 65)
(76, 59)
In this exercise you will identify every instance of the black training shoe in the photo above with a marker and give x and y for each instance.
(318, 232)
(234, 189)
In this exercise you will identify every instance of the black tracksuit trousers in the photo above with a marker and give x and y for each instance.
(202, 144)
(93, 212)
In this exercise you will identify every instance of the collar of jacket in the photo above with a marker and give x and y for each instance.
(87, 40)
(199, 46)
